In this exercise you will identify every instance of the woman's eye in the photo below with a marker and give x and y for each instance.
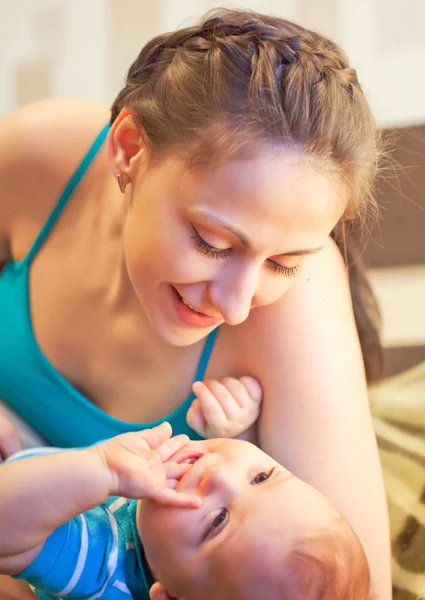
(217, 524)
(204, 248)
(290, 272)
(261, 477)
(220, 253)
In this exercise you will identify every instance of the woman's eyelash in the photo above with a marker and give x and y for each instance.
(220, 253)
(202, 246)
(290, 272)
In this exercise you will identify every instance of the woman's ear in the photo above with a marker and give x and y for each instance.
(125, 146)
(158, 592)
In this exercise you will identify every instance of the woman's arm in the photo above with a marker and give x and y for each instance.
(315, 417)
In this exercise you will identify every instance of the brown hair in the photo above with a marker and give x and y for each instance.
(240, 81)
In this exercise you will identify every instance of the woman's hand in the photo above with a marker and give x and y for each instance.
(10, 440)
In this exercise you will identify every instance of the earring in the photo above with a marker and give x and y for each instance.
(121, 184)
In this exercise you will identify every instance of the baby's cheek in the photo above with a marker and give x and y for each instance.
(158, 525)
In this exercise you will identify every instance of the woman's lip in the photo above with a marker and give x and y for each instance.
(190, 316)
(192, 307)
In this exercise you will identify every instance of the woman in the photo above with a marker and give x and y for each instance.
(238, 146)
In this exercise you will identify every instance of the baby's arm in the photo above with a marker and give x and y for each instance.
(225, 408)
(40, 493)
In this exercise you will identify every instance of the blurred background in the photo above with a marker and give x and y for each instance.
(83, 48)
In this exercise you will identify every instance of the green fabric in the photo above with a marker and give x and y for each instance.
(398, 409)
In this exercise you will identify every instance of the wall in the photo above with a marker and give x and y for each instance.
(83, 48)
(396, 252)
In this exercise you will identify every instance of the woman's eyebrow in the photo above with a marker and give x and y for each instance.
(303, 252)
(244, 239)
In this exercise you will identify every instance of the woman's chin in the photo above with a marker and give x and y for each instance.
(179, 336)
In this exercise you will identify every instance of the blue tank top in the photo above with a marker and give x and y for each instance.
(30, 383)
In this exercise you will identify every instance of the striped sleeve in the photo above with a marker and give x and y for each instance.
(79, 559)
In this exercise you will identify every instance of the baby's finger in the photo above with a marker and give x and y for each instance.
(171, 497)
(225, 399)
(195, 418)
(212, 410)
(10, 440)
(168, 448)
(254, 388)
(175, 471)
(157, 435)
(246, 390)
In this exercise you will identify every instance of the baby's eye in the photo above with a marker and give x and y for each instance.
(220, 518)
(217, 524)
(263, 476)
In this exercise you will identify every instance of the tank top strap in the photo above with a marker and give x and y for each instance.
(69, 189)
(206, 352)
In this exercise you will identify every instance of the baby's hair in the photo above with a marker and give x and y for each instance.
(331, 565)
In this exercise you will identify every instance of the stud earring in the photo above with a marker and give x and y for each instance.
(121, 184)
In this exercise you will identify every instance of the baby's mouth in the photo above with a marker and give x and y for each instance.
(189, 454)
(188, 458)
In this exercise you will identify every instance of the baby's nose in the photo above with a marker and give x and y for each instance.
(217, 480)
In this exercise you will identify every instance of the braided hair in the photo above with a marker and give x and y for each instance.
(240, 82)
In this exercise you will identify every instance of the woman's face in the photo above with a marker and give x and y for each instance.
(204, 247)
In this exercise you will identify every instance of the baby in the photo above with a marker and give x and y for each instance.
(219, 519)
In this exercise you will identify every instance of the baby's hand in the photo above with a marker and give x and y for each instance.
(224, 408)
(138, 468)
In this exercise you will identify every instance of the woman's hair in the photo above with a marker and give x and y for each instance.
(241, 81)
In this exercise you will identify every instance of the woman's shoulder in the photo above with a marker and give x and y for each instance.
(49, 131)
(319, 295)
(40, 146)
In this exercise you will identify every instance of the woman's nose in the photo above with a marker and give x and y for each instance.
(217, 481)
(232, 292)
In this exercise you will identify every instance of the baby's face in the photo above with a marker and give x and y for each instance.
(252, 509)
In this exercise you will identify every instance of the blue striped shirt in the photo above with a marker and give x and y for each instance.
(97, 554)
